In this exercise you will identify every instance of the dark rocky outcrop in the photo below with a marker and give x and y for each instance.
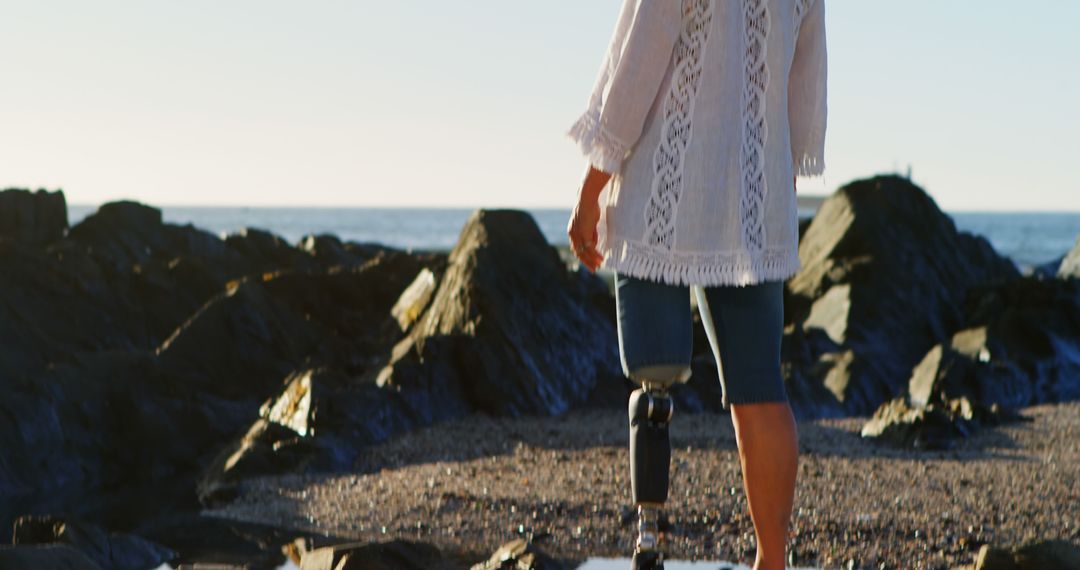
(1021, 347)
(34, 218)
(509, 331)
(392, 555)
(135, 352)
(71, 543)
(249, 337)
(884, 277)
(321, 421)
(133, 348)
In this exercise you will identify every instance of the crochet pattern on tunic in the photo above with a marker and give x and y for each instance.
(752, 202)
(677, 127)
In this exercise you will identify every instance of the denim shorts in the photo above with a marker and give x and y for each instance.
(744, 326)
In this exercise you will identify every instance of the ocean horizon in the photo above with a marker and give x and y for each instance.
(1030, 239)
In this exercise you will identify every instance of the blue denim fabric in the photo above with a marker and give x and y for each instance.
(655, 327)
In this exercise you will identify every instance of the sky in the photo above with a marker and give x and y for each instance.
(466, 104)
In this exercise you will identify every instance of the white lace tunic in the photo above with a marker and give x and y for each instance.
(703, 112)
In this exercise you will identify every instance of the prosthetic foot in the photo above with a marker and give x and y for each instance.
(650, 412)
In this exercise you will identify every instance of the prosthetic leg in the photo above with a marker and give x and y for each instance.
(651, 410)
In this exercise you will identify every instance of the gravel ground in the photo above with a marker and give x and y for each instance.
(470, 485)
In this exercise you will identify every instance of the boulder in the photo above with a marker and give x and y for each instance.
(1028, 334)
(1069, 267)
(1037, 555)
(110, 419)
(322, 421)
(510, 330)
(46, 557)
(392, 555)
(934, 426)
(35, 218)
(245, 340)
(119, 551)
(327, 250)
(884, 275)
(519, 554)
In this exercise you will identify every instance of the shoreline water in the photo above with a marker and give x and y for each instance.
(1030, 239)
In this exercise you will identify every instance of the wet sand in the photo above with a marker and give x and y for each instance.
(470, 485)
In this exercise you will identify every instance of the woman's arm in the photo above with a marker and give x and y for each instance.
(583, 221)
(807, 93)
(637, 60)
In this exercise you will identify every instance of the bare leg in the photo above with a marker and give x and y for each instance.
(768, 450)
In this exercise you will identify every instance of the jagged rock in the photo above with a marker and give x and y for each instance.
(1032, 341)
(322, 421)
(45, 557)
(90, 385)
(35, 218)
(509, 329)
(518, 554)
(934, 426)
(884, 276)
(972, 381)
(971, 365)
(393, 555)
(414, 299)
(327, 250)
(1040, 555)
(244, 341)
(266, 251)
(1070, 264)
(90, 423)
(119, 551)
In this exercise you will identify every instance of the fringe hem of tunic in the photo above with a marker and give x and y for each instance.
(737, 268)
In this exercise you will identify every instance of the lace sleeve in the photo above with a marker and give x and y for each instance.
(807, 89)
(636, 62)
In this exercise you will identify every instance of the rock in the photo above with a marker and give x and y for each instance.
(884, 275)
(267, 448)
(244, 341)
(1070, 264)
(509, 329)
(327, 251)
(519, 554)
(323, 420)
(934, 426)
(45, 557)
(35, 218)
(125, 232)
(266, 251)
(89, 424)
(213, 542)
(973, 366)
(1041, 555)
(106, 550)
(392, 555)
(414, 299)
(1032, 342)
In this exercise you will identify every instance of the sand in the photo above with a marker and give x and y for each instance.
(470, 485)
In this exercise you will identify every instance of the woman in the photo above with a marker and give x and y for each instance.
(704, 113)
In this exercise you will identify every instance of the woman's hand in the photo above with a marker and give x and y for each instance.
(586, 215)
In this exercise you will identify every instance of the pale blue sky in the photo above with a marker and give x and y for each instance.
(439, 103)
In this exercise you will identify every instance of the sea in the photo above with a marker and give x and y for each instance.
(1030, 239)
